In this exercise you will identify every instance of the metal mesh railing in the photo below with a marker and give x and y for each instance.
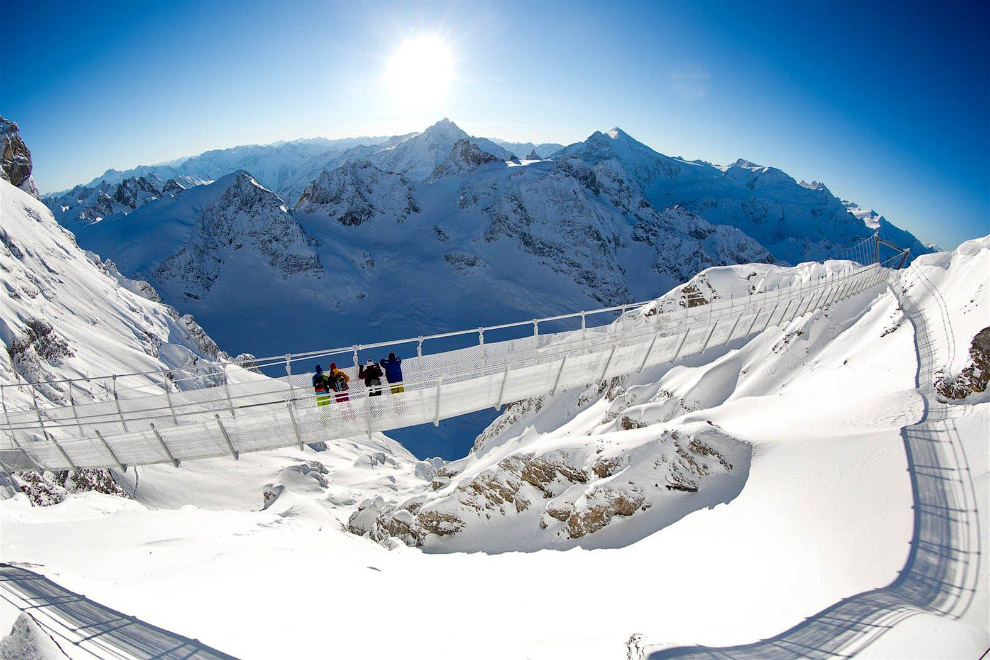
(214, 410)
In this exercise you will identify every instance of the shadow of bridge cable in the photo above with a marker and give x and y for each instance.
(92, 622)
(941, 572)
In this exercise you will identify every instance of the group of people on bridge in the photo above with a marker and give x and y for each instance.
(332, 385)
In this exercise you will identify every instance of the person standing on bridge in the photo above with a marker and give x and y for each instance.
(393, 372)
(338, 383)
(321, 385)
(372, 375)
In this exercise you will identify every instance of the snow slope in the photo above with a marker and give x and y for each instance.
(823, 513)
(66, 314)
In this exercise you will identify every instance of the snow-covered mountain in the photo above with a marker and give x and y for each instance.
(211, 247)
(64, 313)
(501, 241)
(524, 149)
(88, 205)
(273, 164)
(358, 192)
(794, 222)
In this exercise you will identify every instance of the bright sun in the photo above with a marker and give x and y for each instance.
(420, 72)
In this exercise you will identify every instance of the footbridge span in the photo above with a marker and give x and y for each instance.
(231, 408)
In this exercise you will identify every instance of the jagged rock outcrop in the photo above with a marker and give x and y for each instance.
(15, 158)
(974, 377)
(358, 192)
(463, 159)
(554, 497)
(135, 192)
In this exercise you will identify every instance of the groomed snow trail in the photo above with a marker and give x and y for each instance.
(245, 411)
(942, 571)
(98, 630)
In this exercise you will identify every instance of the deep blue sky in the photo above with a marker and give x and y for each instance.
(888, 103)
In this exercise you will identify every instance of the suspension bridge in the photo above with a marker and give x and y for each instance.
(231, 408)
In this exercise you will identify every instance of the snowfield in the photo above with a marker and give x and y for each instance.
(821, 505)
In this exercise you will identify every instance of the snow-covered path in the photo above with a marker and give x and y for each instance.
(94, 628)
(942, 572)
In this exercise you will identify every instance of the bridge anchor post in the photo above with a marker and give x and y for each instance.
(161, 441)
(121, 466)
(226, 437)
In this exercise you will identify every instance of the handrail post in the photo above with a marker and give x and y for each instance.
(536, 328)
(75, 413)
(288, 374)
(116, 398)
(168, 397)
(584, 325)
(436, 416)
(226, 437)
(226, 388)
(419, 347)
(295, 427)
(161, 441)
(367, 412)
(355, 349)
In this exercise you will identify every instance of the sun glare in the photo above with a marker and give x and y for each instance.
(420, 71)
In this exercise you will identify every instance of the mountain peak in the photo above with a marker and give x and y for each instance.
(445, 127)
(617, 134)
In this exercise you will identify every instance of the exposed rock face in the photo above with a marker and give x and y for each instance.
(357, 193)
(974, 377)
(244, 216)
(50, 488)
(129, 191)
(15, 158)
(172, 187)
(464, 158)
(560, 495)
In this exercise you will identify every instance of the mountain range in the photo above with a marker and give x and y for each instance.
(336, 243)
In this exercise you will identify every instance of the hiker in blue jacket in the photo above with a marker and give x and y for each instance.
(321, 384)
(393, 372)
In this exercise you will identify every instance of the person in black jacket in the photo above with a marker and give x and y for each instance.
(372, 375)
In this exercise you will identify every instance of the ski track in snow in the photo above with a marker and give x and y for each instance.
(943, 568)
